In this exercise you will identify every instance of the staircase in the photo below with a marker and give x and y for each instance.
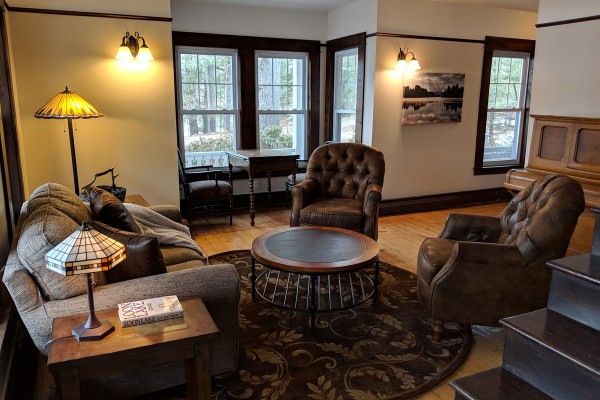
(552, 353)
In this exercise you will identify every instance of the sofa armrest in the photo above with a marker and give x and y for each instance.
(472, 228)
(218, 285)
(303, 194)
(169, 211)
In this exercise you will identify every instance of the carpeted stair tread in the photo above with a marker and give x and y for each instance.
(495, 384)
(584, 266)
(561, 335)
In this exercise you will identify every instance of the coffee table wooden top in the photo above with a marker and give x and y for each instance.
(315, 249)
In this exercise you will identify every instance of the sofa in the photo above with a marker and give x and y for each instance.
(52, 213)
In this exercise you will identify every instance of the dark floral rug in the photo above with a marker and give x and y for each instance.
(368, 352)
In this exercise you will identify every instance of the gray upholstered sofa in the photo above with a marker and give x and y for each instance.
(40, 295)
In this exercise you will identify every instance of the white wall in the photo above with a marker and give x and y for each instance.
(435, 158)
(194, 16)
(137, 134)
(567, 61)
(353, 18)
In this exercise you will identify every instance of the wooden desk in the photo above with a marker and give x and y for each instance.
(128, 348)
(257, 161)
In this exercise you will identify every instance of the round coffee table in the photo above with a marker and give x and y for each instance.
(315, 269)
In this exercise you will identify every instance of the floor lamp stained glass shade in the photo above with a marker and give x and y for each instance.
(83, 252)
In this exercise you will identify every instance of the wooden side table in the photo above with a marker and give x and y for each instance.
(128, 348)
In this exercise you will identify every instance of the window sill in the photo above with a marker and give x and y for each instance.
(496, 169)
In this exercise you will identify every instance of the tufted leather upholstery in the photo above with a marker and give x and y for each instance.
(342, 188)
(481, 269)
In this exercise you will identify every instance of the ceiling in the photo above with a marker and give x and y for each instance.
(328, 5)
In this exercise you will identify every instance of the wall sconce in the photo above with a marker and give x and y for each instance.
(130, 48)
(404, 65)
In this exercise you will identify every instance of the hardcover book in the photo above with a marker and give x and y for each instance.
(149, 310)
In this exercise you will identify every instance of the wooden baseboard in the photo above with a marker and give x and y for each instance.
(444, 200)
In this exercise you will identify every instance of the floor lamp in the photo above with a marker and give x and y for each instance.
(68, 105)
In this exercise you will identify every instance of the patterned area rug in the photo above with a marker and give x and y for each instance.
(368, 352)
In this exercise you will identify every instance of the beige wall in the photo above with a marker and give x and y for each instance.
(137, 133)
(567, 61)
(434, 158)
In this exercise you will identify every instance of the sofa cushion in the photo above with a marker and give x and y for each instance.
(43, 229)
(336, 212)
(60, 198)
(107, 209)
(143, 256)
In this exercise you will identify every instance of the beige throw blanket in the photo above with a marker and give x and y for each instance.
(168, 232)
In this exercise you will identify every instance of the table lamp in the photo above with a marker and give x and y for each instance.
(83, 252)
(68, 105)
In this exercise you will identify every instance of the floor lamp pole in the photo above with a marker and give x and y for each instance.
(73, 158)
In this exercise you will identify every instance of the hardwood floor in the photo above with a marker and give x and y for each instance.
(399, 239)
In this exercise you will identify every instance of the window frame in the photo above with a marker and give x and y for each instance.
(246, 47)
(497, 44)
(358, 41)
(304, 111)
(178, 50)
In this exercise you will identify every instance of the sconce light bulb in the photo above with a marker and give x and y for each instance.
(124, 53)
(414, 65)
(144, 54)
(401, 65)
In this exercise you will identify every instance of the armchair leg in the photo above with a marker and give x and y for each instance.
(438, 330)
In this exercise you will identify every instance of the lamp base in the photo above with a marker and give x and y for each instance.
(84, 334)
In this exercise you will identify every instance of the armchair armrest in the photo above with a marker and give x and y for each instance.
(303, 194)
(483, 282)
(371, 209)
(169, 211)
(472, 228)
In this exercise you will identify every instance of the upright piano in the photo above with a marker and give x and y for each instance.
(568, 146)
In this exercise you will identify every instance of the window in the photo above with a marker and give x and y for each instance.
(344, 83)
(208, 104)
(245, 92)
(281, 111)
(344, 93)
(504, 105)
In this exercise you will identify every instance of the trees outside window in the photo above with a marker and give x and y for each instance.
(244, 92)
(207, 88)
(504, 105)
(344, 87)
(281, 91)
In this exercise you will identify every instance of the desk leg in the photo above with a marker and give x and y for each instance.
(68, 384)
(197, 373)
(252, 212)
(269, 188)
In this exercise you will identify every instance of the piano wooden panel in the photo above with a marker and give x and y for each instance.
(569, 146)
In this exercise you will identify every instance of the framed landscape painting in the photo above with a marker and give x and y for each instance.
(432, 98)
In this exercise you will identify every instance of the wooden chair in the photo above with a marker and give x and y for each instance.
(204, 192)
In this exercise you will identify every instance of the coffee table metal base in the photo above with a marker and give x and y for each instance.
(314, 292)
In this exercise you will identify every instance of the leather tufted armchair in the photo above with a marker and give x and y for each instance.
(481, 269)
(342, 188)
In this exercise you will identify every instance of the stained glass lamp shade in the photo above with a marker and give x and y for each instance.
(68, 105)
(83, 252)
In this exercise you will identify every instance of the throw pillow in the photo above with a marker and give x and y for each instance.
(60, 198)
(109, 210)
(142, 254)
(43, 229)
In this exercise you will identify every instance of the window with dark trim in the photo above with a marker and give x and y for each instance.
(503, 105)
(344, 82)
(248, 50)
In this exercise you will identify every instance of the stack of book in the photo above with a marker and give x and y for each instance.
(149, 310)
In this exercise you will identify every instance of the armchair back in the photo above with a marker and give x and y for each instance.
(345, 170)
(542, 217)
